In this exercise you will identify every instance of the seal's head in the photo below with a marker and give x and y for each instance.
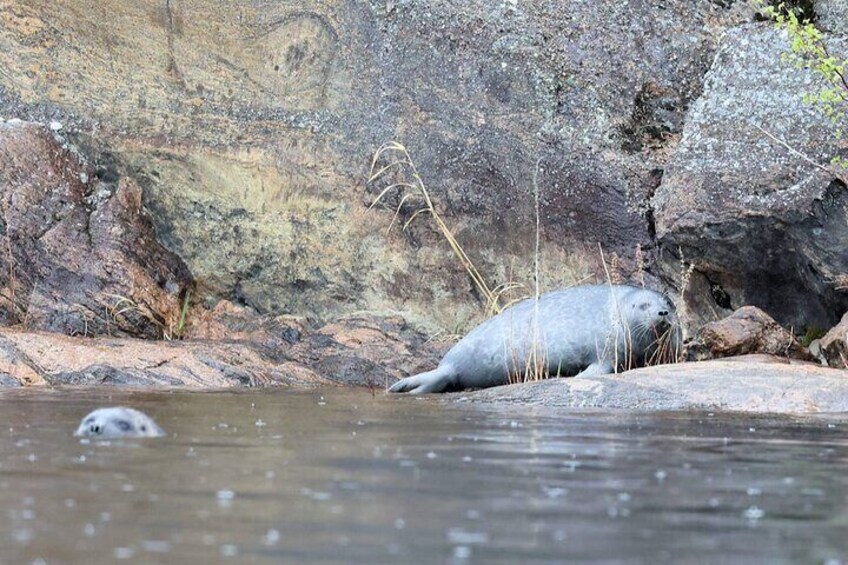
(118, 422)
(649, 309)
(653, 329)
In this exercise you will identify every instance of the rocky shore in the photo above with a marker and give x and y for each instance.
(208, 223)
(757, 383)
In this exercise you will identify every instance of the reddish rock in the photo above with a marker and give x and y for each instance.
(834, 344)
(78, 255)
(361, 350)
(230, 322)
(364, 349)
(747, 330)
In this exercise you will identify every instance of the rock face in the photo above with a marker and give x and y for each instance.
(79, 254)
(250, 127)
(833, 15)
(757, 384)
(247, 130)
(834, 344)
(760, 223)
(748, 330)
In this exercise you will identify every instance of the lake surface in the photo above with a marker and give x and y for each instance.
(343, 476)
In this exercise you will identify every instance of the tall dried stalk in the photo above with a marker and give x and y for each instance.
(399, 158)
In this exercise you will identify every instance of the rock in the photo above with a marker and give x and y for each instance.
(79, 255)
(228, 322)
(363, 349)
(103, 361)
(758, 221)
(815, 349)
(359, 349)
(16, 369)
(251, 129)
(834, 344)
(735, 384)
(832, 15)
(747, 330)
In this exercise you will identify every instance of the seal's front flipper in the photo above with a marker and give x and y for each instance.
(437, 380)
(597, 368)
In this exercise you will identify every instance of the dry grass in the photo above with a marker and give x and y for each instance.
(178, 331)
(640, 265)
(536, 367)
(399, 159)
(121, 307)
(10, 258)
(683, 313)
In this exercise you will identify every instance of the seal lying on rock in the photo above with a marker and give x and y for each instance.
(118, 421)
(586, 330)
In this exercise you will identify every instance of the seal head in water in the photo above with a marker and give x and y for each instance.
(118, 421)
(585, 330)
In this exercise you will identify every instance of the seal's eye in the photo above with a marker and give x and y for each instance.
(123, 425)
(89, 421)
(644, 306)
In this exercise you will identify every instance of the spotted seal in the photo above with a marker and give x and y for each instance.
(584, 330)
(118, 421)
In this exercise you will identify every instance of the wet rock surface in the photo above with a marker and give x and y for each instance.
(362, 351)
(79, 253)
(743, 199)
(752, 384)
(746, 331)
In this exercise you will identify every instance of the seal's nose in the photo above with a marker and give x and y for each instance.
(95, 428)
(663, 313)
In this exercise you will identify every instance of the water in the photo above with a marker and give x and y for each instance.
(341, 476)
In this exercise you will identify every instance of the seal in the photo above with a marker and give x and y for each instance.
(579, 331)
(118, 421)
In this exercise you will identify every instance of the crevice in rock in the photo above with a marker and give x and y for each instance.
(654, 181)
(719, 294)
(656, 119)
(804, 9)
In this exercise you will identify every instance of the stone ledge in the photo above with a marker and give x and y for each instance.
(756, 383)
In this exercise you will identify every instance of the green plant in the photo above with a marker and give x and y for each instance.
(808, 49)
(813, 333)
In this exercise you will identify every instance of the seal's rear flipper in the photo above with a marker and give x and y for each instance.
(437, 380)
(596, 368)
